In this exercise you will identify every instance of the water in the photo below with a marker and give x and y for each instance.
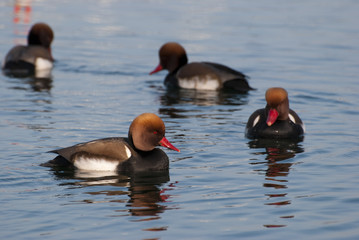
(221, 185)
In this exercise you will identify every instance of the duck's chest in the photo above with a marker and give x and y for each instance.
(281, 129)
(154, 160)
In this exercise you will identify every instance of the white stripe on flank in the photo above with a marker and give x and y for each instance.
(128, 152)
(256, 120)
(95, 164)
(291, 118)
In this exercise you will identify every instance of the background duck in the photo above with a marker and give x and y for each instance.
(23, 61)
(197, 75)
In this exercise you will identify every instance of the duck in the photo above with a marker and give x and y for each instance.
(197, 75)
(36, 56)
(135, 153)
(276, 120)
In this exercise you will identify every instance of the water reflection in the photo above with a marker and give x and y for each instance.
(202, 98)
(139, 194)
(32, 83)
(176, 103)
(277, 169)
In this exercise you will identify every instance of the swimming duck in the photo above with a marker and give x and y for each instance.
(36, 56)
(197, 75)
(276, 120)
(135, 153)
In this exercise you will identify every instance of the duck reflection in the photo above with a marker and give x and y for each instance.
(202, 98)
(141, 193)
(31, 84)
(277, 169)
(176, 103)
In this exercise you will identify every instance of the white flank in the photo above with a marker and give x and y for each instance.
(199, 83)
(256, 120)
(43, 68)
(42, 64)
(128, 152)
(95, 164)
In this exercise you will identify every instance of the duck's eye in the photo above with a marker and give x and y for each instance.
(155, 132)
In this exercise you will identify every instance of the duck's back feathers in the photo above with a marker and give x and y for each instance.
(224, 69)
(116, 149)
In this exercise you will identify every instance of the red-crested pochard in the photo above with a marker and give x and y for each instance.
(276, 120)
(136, 153)
(197, 75)
(35, 57)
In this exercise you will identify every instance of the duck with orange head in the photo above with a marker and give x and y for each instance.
(276, 120)
(135, 153)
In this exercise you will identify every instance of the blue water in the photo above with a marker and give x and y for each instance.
(221, 185)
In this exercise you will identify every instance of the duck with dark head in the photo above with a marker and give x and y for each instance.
(197, 75)
(23, 61)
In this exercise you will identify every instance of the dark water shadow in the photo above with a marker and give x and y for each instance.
(138, 194)
(276, 168)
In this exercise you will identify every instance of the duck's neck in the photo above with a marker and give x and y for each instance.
(282, 109)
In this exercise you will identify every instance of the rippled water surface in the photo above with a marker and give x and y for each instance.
(221, 185)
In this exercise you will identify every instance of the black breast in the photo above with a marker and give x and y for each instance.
(155, 160)
(281, 129)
